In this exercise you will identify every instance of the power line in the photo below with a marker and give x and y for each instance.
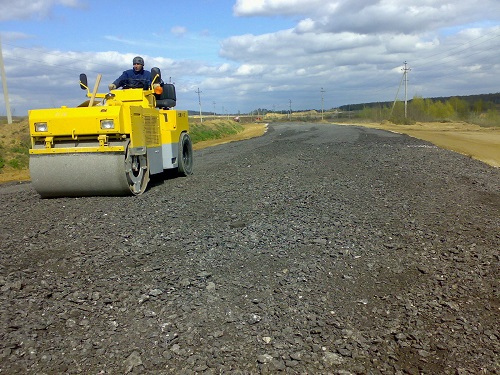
(397, 94)
(465, 46)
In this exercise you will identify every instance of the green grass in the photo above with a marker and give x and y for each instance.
(22, 149)
(19, 162)
(16, 154)
(213, 129)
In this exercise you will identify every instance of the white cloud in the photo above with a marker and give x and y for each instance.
(178, 30)
(249, 70)
(369, 16)
(353, 49)
(363, 44)
(26, 9)
(276, 7)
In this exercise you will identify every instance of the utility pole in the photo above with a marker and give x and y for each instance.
(214, 107)
(322, 91)
(403, 78)
(290, 113)
(405, 74)
(199, 102)
(4, 84)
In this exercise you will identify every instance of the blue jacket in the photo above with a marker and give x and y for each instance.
(134, 80)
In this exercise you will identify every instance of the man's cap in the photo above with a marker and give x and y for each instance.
(138, 60)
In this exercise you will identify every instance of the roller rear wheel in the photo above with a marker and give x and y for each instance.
(185, 163)
(137, 172)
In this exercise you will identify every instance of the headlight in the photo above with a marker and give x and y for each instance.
(41, 127)
(107, 124)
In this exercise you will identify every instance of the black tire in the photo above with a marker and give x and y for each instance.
(137, 172)
(185, 163)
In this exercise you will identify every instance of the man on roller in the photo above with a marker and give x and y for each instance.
(135, 78)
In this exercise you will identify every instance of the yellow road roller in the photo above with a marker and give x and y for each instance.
(111, 143)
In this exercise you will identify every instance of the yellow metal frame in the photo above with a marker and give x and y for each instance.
(134, 116)
(172, 124)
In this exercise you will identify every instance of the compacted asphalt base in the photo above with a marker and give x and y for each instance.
(314, 249)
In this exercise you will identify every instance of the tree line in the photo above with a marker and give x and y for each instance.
(480, 109)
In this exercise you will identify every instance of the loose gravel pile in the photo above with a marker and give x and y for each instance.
(314, 249)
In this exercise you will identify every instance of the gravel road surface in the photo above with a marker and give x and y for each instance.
(314, 249)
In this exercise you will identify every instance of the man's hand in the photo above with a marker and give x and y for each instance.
(112, 86)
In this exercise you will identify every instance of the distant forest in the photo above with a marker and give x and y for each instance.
(483, 110)
(470, 99)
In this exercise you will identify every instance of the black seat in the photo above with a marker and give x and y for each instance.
(167, 99)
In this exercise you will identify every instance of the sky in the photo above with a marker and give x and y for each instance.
(241, 55)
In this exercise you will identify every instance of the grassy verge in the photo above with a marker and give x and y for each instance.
(14, 146)
(213, 129)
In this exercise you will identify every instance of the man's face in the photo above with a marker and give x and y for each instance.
(137, 67)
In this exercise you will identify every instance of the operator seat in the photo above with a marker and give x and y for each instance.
(167, 99)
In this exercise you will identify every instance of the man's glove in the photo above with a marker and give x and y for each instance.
(112, 86)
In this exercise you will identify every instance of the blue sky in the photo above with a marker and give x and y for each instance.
(249, 54)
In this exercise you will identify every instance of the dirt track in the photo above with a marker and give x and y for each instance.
(313, 249)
